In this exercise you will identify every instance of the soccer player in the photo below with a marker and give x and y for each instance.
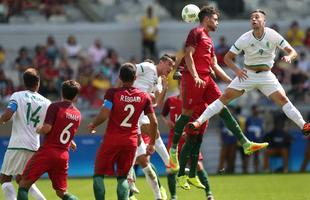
(173, 108)
(123, 106)
(27, 109)
(148, 81)
(198, 87)
(59, 128)
(258, 45)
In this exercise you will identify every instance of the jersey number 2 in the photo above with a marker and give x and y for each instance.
(131, 111)
(65, 134)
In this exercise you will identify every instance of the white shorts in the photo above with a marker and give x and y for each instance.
(143, 119)
(264, 81)
(141, 150)
(15, 161)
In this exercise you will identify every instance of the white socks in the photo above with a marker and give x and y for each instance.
(151, 179)
(211, 110)
(36, 193)
(292, 113)
(162, 150)
(8, 191)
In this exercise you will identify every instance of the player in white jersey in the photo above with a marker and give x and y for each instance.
(148, 80)
(27, 109)
(259, 47)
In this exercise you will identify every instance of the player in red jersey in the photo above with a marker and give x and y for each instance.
(123, 106)
(59, 128)
(198, 87)
(173, 108)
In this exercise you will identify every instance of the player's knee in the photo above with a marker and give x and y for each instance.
(143, 161)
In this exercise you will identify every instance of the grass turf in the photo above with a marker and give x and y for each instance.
(227, 187)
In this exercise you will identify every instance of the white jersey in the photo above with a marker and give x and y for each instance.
(30, 113)
(259, 51)
(147, 78)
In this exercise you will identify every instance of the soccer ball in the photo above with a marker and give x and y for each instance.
(190, 13)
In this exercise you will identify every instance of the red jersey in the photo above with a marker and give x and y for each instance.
(199, 39)
(65, 119)
(128, 103)
(173, 107)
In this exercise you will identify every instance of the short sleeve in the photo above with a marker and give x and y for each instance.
(166, 108)
(237, 47)
(13, 103)
(148, 105)
(279, 40)
(139, 70)
(109, 95)
(192, 38)
(52, 114)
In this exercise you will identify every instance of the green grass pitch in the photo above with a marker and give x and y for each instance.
(225, 187)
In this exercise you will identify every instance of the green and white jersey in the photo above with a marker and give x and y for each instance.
(30, 113)
(147, 78)
(259, 51)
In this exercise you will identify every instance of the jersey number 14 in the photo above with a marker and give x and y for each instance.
(33, 116)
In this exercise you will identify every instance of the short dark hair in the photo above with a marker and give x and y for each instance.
(70, 89)
(127, 72)
(167, 56)
(31, 78)
(207, 11)
(259, 11)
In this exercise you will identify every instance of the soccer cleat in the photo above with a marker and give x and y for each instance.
(133, 197)
(210, 197)
(251, 147)
(306, 129)
(163, 193)
(182, 182)
(132, 187)
(196, 182)
(173, 197)
(194, 125)
(173, 161)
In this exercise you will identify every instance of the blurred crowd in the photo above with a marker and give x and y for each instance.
(48, 8)
(96, 67)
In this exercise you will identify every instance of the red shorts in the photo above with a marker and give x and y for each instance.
(193, 95)
(114, 155)
(52, 161)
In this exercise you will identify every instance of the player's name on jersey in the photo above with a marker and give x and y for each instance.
(130, 99)
(72, 116)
